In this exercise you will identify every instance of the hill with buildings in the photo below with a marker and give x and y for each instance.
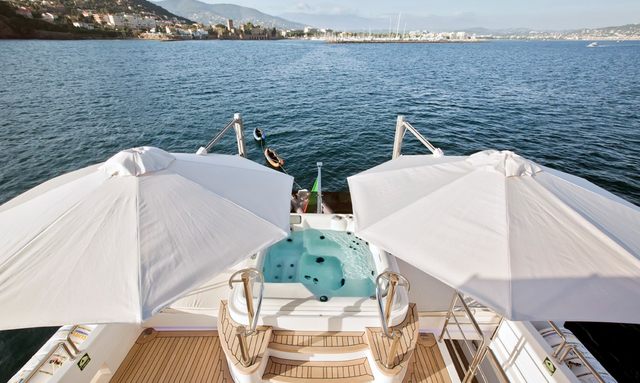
(212, 14)
(65, 19)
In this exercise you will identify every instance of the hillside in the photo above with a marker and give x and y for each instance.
(219, 13)
(13, 26)
(629, 29)
(72, 9)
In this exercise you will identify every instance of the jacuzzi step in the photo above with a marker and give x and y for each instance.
(310, 342)
(289, 371)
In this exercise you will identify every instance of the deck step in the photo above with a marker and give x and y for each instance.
(286, 371)
(309, 342)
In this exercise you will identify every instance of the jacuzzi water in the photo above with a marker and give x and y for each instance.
(329, 263)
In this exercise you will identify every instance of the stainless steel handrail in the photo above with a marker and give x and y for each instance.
(65, 347)
(563, 337)
(562, 351)
(573, 348)
(218, 136)
(478, 352)
(245, 277)
(238, 125)
(401, 128)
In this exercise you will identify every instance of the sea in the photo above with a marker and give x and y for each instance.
(68, 104)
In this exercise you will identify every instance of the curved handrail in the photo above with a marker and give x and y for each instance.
(245, 277)
(394, 279)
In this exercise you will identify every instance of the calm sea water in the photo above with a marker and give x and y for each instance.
(64, 105)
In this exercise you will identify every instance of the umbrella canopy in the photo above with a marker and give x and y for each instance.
(118, 241)
(531, 242)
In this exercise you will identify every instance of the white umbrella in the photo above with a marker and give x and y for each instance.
(117, 242)
(531, 242)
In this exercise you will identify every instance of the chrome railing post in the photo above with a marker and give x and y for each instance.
(448, 317)
(239, 127)
(478, 352)
(397, 141)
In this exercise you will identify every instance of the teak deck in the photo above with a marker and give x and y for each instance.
(427, 365)
(284, 370)
(174, 356)
(308, 342)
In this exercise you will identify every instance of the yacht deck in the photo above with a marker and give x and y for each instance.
(175, 356)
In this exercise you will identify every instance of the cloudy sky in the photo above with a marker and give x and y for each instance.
(536, 14)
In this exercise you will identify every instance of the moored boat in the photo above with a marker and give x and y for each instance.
(273, 158)
(259, 134)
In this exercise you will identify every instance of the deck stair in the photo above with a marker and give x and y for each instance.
(306, 342)
(328, 357)
(284, 356)
(287, 370)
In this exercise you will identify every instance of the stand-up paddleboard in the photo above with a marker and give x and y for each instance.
(258, 134)
(273, 158)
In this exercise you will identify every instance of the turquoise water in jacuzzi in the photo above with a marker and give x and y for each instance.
(329, 263)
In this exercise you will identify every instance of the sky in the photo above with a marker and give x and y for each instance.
(496, 14)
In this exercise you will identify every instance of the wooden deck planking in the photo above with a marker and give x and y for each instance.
(310, 342)
(174, 356)
(427, 365)
(284, 370)
(380, 344)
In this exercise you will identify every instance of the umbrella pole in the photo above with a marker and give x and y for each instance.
(241, 335)
(393, 282)
(394, 335)
(248, 295)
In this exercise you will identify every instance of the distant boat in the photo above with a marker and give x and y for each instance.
(258, 134)
(593, 45)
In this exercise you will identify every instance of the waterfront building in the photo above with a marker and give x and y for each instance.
(48, 17)
(24, 12)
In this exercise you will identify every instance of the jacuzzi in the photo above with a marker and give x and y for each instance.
(321, 278)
